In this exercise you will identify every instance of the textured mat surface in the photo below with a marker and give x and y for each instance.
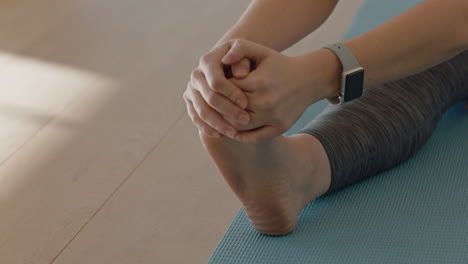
(414, 213)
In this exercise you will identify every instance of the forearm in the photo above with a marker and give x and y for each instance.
(418, 39)
(278, 24)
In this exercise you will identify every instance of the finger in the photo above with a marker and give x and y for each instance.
(253, 83)
(241, 69)
(220, 103)
(255, 122)
(241, 49)
(213, 69)
(211, 117)
(258, 135)
(236, 124)
(199, 123)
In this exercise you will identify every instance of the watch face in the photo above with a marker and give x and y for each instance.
(353, 84)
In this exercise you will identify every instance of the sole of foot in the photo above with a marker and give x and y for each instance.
(273, 179)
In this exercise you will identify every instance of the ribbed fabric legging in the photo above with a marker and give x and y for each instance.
(389, 122)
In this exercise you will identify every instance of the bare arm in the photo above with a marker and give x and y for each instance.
(419, 38)
(282, 87)
(422, 37)
(278, 24)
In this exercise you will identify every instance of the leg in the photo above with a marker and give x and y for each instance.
(275, 180)
(389, 123)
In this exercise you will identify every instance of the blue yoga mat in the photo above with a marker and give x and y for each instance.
(414, 213)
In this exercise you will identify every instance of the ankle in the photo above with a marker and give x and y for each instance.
(317, 179)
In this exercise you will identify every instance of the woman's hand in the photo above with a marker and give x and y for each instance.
(280, 88)
(215, 104)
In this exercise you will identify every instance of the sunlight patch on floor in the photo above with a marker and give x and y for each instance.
(35, 94)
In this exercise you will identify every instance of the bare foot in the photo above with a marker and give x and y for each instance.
(274, 180)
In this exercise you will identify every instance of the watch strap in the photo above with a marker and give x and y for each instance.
(346, 56)
(348, 62)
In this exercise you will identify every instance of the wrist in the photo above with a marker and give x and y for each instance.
(324, 70)
(234, 33)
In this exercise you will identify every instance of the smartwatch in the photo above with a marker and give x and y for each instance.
(352, 78)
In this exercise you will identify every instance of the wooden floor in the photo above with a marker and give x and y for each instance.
(98, 161)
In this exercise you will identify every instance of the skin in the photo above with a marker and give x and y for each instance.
(274, 176)
(275, 104)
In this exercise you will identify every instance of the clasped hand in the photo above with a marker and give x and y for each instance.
(264, 97)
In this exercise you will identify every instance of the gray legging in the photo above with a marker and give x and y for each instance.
(389, 122)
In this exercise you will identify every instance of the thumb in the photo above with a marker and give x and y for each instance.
(241, 69)
(244, 49)
(247, 83)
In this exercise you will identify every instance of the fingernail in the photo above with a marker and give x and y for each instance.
(243, 119)
(242, 72)
(239, 103)
(230, 133)
(226, 57)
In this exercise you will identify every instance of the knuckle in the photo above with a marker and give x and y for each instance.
(238, 43)
(217, 84)
(212, 99)
(189, 88)
(186, 93)
(203, 114)
(195, 75)
(204, 59)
